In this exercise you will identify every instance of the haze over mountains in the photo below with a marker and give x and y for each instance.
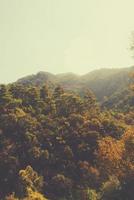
(103, 82)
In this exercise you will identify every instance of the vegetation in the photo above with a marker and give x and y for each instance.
(61, 145)
(103, 82)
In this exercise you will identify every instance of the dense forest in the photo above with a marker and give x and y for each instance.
(67, 144)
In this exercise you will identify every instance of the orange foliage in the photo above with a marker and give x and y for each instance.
(110, 153)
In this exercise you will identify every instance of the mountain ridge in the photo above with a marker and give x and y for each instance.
(103, 82)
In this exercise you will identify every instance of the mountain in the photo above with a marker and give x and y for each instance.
(103, 82)
(61, 145)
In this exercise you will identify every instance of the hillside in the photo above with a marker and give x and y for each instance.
(103, 82)
(61, 145)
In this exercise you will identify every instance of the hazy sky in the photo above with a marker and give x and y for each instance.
(63, 35)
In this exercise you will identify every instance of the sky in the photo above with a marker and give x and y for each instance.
(61, 36)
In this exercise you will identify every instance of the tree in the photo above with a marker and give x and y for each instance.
(34, 195)
(44, 92)
(61, 186)
(110, 153)
(58, 92)
(31, 195)
(30, 180)
(5, 96)
(90, 103)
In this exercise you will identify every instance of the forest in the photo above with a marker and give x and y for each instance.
(60, 144)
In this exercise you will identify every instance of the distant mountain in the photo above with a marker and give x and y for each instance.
(103, 82)
(39, 79)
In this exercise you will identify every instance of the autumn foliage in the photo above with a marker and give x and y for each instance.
(57, 144)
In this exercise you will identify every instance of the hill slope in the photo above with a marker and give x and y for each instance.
(103, 82)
